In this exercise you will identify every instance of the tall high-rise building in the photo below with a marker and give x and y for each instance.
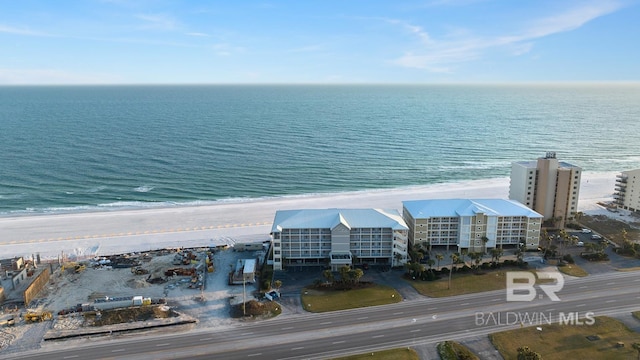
(548, 186)
(627, 192)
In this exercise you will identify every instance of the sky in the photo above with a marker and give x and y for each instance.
(46, 42)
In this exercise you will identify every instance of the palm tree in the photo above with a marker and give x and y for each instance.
(485, 240)
(455, 257)
(520, 252)
(328, 274)
(496, 254)
(430, 262)
(417, 256)
(398, 257)
(277, 284)
(356, 274)
(477, 258)
(344, 273)
(439, 257)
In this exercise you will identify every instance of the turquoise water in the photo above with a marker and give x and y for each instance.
(83, 148)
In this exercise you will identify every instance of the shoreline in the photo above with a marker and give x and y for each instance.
(122, 231)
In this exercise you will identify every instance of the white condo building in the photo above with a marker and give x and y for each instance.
(335, 237)
(627, 191)
(467, 223)
(548, 186)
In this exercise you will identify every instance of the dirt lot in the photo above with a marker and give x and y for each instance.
(68, 289)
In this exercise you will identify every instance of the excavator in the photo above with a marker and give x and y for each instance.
(37, 316)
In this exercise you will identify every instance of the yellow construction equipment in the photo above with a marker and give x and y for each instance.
(36, 316)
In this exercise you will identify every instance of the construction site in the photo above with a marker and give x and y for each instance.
(112, 295)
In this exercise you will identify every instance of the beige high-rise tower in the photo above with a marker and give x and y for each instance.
(548, 186)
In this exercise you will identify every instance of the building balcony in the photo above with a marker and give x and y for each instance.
(618, 195)
(621, 178)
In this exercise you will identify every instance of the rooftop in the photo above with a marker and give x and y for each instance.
(420, 209)
(330, 218)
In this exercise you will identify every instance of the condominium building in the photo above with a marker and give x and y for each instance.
(627, 191)
(338, 237)
(548, 186)
(475, 225)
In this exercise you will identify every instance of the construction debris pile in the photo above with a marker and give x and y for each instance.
(128, 292)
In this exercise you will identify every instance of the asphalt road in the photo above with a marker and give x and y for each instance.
(409, 323)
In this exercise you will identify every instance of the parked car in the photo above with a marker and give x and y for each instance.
(596, 237)
(586, 231)
(580, 244)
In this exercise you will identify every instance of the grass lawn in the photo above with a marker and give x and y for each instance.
(465, 283)
(451, 350)
(570, 342)
(573, 270)
(318, 300)
(636, 314)
(400, 354)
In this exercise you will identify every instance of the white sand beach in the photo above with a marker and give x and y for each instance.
(82, 235)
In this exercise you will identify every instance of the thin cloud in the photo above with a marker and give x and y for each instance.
(197, 34)
(158, 21)
(22, 31)
(441, 56)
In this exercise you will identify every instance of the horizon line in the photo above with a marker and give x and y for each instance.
(497, 83)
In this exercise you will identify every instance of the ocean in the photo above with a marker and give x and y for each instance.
(91, 148)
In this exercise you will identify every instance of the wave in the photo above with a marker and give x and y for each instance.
(143, 188)
(12, 196)
(467, 185)
(97, 189)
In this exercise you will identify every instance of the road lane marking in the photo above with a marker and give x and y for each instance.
(550, 310)
(398, 313)
(610, 301)
(70, 357)
(581, 305)
(416, 330)
(287, 328)
(257, 354)
(163, 344)
(297, 348)
(362, 318)
(339, 342)
(118, 350)
(249, 333)
(206, 339)
(325, 323)
(583, 287)
(432, 308)
(464, 304)
(377, 336)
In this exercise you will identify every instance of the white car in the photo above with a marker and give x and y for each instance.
(586, 231)
(580, 244)
(596, 237)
